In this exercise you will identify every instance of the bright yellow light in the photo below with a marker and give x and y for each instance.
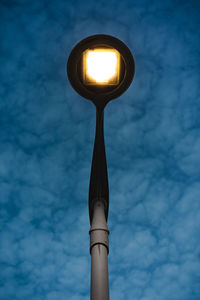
(101, 66)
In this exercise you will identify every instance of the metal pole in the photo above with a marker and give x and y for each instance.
(98, 211)
(99, 249)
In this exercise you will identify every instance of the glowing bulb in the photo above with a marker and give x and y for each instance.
(101, 66)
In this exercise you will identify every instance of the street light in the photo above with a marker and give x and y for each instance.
(100, 68)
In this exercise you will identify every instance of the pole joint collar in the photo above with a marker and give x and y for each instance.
(99, 236)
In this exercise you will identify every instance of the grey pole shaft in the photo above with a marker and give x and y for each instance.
(99, 254)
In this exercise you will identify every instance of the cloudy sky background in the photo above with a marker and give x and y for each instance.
(152, 136)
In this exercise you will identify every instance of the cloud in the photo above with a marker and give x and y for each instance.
(152, 145)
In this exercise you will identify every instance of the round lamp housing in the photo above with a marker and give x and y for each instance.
(100, 68)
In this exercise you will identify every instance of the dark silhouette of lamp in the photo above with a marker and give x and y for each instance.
(100, 68)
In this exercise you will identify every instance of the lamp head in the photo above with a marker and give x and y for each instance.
(100, 68)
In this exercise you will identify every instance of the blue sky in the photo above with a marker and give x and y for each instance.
(152, 136)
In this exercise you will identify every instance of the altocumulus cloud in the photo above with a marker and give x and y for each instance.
(152, 136)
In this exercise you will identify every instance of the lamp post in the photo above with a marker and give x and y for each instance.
(100, 68)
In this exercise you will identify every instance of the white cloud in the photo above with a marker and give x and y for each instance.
(152, 144)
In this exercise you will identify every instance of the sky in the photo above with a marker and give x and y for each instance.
(152, 137)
